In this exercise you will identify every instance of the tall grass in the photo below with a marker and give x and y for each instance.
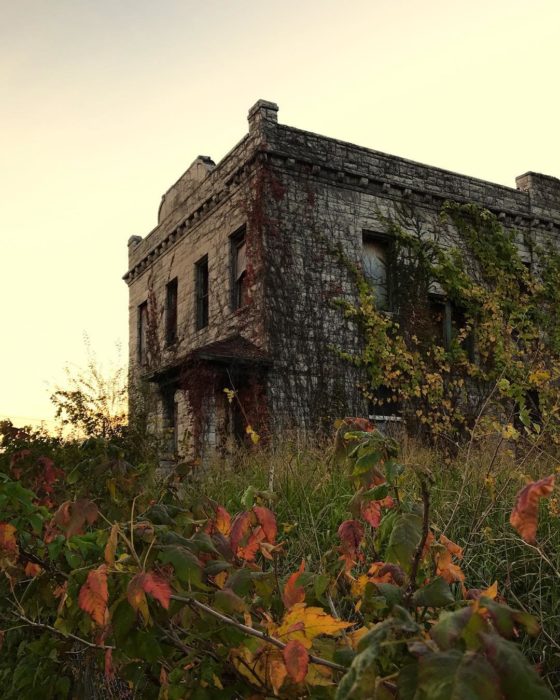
(470, 501)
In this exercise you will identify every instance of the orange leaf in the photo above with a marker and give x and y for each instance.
(276, 671)
(222, 521)
(148, 582)
(111, 546)
(451, 547)
(158, 588)
(8, 542)
(351, 533)
(94, 595)
(249, 551)
(371, 512)
(292, 592)
(296, 659)
(32, 569)
(72, 516)
(524, 516)
(239, 529)
(267, 521)
(446, 569)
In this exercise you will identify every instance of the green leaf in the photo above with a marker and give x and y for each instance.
(248, 498)
(435, 594)
(450, 674)
(405, 538)
(504, 618)
(187, 567)
(450, 627)
(519, 680)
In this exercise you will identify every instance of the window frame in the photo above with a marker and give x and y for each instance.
(202, 293)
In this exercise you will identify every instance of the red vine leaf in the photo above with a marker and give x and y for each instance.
(222, 521)
(294, 593)
(524, 516)
(296, 659)
(239, 529)
(94, 595)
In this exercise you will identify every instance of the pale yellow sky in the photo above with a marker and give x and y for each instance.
(106, 102)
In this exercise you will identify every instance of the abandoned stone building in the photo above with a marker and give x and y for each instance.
(233, 290)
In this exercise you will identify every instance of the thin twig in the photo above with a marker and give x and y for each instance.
(252, 632)
(44, 626)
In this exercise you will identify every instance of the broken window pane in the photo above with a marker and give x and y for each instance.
(375, 267)
(171, 312)
(239, 296)
(201, 278)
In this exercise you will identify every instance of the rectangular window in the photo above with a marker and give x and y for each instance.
(239, 287)
(143, 333)
(171, 312)
(376, 268)
(201, 280)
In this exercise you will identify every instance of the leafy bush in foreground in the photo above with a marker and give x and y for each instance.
(180, 599)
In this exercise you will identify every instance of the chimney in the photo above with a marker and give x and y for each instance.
(262, 115)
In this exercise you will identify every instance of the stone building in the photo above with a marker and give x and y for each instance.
(233, 290)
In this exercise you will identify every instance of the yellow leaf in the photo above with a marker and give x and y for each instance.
(304, 624)
(491, 591)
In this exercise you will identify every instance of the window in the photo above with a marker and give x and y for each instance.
(201, 280)
(452, 323)
(239, 287)
(375, 264)
(143, 333)
(171, 312)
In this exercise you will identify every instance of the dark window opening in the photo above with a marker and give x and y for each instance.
(201, 278)
(239, 288)
(449, 322)
(143, 333)
(169, 416)
(376, 268)
(384, 404)
(171, 312)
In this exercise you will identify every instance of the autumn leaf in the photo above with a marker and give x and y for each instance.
(267, 521)
(94, 595)
(296, 659)
(8, 543)
(294, 593)
(71, 516)
(239, 530)
(151, 583)
(524, 516)
(304, 624)
(351, 533)
(222, 521)
(111, 546)
(445, 567)
(451, 547)
(32, 569)
(249, 551)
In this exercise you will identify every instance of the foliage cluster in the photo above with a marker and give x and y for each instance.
(160, 596)
(471, 344)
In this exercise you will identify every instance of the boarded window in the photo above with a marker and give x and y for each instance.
(375, 265)
(239, 296)
(171, 312)
(143, 333)
(201, 278)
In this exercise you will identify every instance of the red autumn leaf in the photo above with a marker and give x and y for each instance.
(151, 583)
(94, 595)
(524, 516)
(351, 533)
(293, 593)
(249, 551)
(296, 659)
(371, 512)
(239, 529)
(267, 521)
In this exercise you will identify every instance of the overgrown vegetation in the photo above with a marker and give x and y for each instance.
(349, 569)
